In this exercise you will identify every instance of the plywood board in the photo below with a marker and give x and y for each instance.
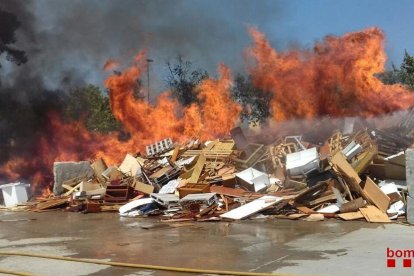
(373, 214)
(51, 203)
(351, 215)
(352, 178)
(130, 165)
(375, 195)
(198, 168)
(99, 166)
(223, 145)
(142, 187)
(160, 172)
(394, 171)
(252, 207)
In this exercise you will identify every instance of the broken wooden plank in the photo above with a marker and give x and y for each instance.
(198, 168)
(142, 187)
(351, 215)
(130, 166)
(56, 202)
(67, 187)
(99, 166)
(375, 195)
(340, 163)
(373, 214)
(71, 191)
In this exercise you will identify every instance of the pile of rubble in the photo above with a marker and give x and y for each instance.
(364, 174)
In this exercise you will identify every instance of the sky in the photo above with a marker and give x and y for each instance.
(69, 41)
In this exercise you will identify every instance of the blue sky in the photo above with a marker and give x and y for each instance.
(307, 21)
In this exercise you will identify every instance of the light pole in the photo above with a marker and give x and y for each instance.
(148, 78)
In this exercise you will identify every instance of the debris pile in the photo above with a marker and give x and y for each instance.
(363, 174)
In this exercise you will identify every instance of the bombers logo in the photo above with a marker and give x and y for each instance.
(393, 257)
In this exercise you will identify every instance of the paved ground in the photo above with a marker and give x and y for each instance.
(279, 246)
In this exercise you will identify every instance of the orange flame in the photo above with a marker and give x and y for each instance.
(146, 124)
(214, 117)
(336, 77)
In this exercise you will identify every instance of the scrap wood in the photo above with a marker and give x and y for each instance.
(315, 217)
(207, 210)
(71, 191)
(291, 216)
(67, 187)
(226, 170)
(226, 203)
(233, 192)
(340, 164)
(373, 214)
(198, 168)
(375, 195)
(211, 144)
(305, 209)
(74, 181)
(311, 193)
(175, 154)
(55, 202)
(322, 199)
(351, 215)
(365, 158)
(222, 145)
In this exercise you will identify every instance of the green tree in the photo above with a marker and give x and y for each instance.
(255, 102)
(8, 26)
(92, 105)
(182, 80)
(403, 75)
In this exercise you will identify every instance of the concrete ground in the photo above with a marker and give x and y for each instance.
(288, 247)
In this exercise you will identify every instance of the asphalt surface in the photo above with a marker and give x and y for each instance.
(287, 247)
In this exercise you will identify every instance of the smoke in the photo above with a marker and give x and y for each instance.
(71, 40)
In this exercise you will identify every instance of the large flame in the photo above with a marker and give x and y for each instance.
(216, 114)
(212, 118)
(337, 77)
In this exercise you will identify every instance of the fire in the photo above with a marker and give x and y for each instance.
(216, 114)
(336, 77)
(213, 117)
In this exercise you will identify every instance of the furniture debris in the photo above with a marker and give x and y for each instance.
(362, 173)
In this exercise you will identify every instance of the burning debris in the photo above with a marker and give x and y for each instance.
(359, 175)
(187, 173)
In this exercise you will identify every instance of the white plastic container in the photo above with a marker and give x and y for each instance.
(14, 193)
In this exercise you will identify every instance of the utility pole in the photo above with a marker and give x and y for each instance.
(148, 78)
